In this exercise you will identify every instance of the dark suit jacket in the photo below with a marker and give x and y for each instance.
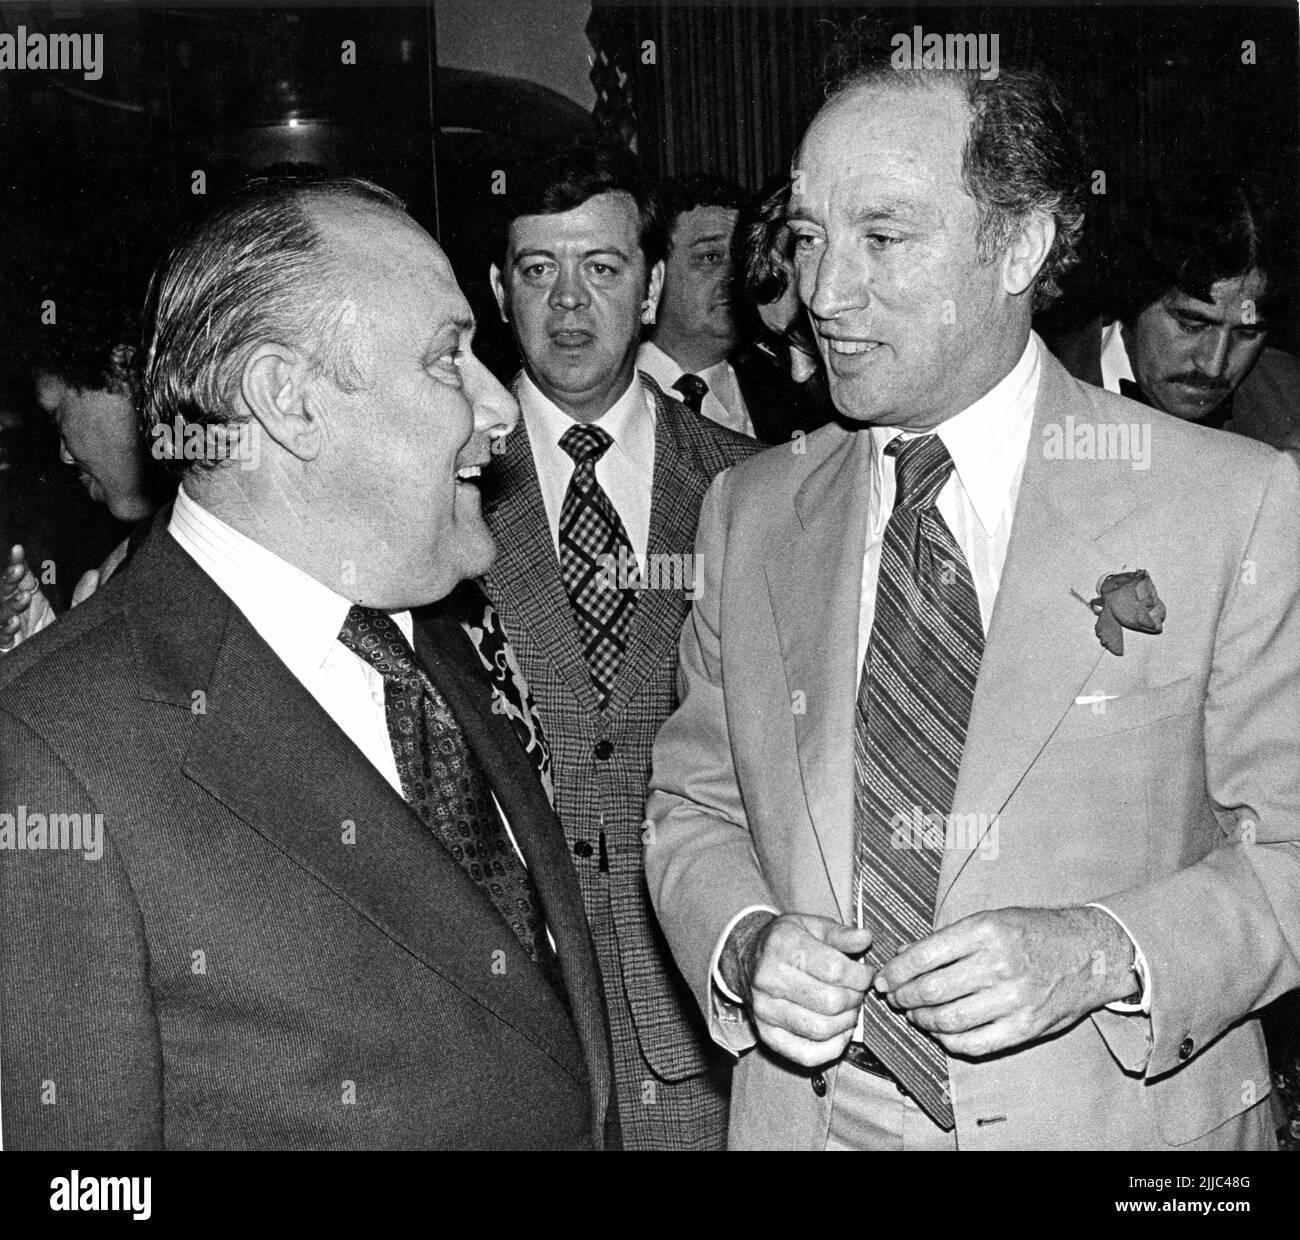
(271, 952)
(778, 406)
(602, 758)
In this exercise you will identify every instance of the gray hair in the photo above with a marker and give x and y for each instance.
(252, 271)
(1021, 158)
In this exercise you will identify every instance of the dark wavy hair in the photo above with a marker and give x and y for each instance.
(761, 244)
(93, 343)
(562, 180)
(1204, 226)
(1021, 156)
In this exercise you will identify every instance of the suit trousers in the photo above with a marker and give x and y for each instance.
(871, 1113)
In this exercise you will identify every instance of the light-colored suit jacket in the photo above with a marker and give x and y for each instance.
(1175, 800)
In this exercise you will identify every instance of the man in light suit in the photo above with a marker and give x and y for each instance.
(305, 889)
(581, 271)
(943, 869)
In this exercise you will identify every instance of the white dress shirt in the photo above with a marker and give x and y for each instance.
(1115, 364)
(723, 402)
(625, 472)
(300, 619)
(989, 443)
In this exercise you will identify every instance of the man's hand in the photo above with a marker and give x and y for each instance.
(17, 588)
(801, 981)
(998, 979)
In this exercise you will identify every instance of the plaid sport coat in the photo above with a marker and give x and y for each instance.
(601, 759)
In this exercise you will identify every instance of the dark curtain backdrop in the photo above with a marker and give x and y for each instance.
(730, 87)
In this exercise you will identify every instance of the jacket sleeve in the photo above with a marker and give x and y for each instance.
(700, 861)
(1222, 936)
(80, 1061)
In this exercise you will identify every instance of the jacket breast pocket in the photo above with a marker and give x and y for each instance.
(1097, 714)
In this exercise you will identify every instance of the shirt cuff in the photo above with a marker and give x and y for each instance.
(1143, 1003)
(714, 972)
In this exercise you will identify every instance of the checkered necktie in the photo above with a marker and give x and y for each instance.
(693, 390)
(594, 551)
(914, 705)
(445, 784)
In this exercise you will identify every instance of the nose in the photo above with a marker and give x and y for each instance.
(496, 412)
(1212, 356)
(833, 282)
(64, 455)
(568, 292)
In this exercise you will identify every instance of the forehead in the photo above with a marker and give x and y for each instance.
(904, 140)
(604, 221)
(701, 222)
(389, 263)
(1228, 297)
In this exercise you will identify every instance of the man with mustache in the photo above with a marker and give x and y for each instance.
(945, 870)
(332, 908)
(594, 504)
(1200, 273)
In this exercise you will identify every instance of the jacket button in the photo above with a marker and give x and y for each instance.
(1185, 1048)
(819, 1084)
(604, 750)
(582, 849)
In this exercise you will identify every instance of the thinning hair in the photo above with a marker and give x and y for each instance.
(1021, 157)
(1193, 231)
(255, 270)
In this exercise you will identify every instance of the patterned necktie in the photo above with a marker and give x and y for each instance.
(594, 553)
(445, 784)
(914, 705)
(693, 390)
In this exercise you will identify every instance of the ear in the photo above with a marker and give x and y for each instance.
(654, 286)
(275, 386)
(499, 291)
(1027, 253)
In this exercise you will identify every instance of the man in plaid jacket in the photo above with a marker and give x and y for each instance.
(593, 504)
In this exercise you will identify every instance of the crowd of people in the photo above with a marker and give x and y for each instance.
(520, 761)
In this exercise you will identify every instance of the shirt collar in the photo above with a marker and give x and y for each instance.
(629, 421)
(297, 616)
(665, 370)
(1115, 364)
(987, 440)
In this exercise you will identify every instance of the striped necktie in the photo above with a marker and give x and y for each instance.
(594, 550)
(914, 705)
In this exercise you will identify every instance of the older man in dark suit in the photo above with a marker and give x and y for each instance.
(594, 504)
(277, 871)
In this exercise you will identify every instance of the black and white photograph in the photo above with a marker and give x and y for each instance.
(600, 576)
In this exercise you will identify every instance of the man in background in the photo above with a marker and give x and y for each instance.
(594, 504)
(1201, 272)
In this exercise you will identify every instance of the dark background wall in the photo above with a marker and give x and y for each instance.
(726, 88)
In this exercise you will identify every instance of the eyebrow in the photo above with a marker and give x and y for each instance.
(1200, 316)
(890, 211)
(461, 323)
(538, 252)
(711, 239)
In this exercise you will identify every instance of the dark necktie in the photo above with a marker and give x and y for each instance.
(594, 553)
(914, 705)
(693, 390)
(445, 784)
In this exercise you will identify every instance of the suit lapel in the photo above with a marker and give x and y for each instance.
(525, 583)
(815, 582)
(1041, 648)
(442, 647)
(335, 815)
(675, 497)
